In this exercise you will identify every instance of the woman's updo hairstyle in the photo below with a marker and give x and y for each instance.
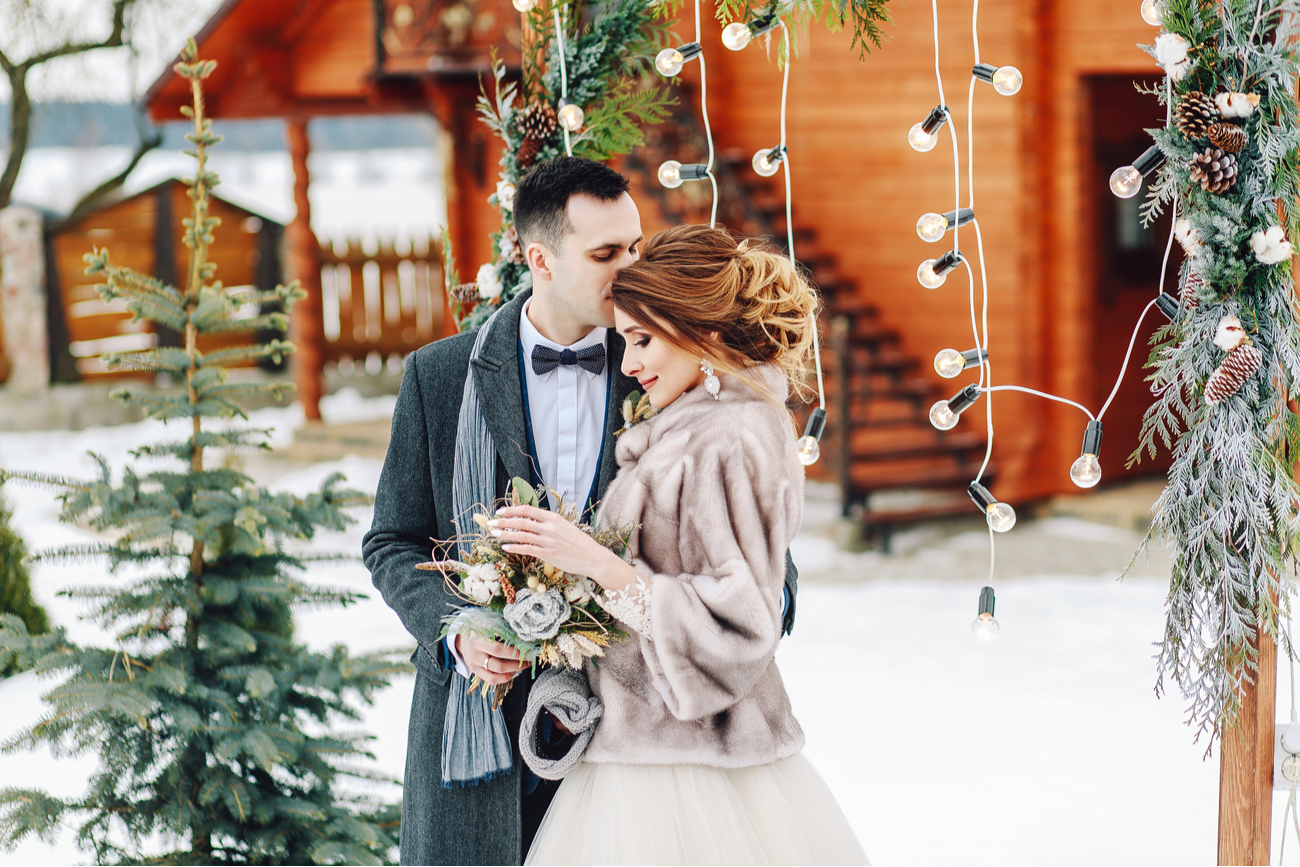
(694, 280)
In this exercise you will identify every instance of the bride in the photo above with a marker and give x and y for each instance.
(697, 759)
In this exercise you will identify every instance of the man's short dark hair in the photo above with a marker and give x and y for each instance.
(541, 205)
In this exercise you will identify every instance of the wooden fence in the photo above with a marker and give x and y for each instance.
(380, 301)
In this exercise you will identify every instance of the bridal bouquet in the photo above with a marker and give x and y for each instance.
(547, 615)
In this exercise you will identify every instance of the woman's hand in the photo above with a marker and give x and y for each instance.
(550, 538)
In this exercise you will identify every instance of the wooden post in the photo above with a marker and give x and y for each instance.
(1246, 768)
(307, 327)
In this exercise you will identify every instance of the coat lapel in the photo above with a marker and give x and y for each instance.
(621, 387)
(500, 395)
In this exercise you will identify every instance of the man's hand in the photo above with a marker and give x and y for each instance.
(492, 661)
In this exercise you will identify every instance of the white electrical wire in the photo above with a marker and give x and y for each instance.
(704, 110)
(564, 75)
(789, 209)
(1080, 406)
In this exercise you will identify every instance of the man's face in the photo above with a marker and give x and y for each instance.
(606, 238)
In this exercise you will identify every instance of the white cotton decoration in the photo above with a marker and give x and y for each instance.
(1171, 53)
(1229, 335)
(1271, 246)
(489, 284)
(506, 195)
(1189, 237)
(1232, 104)
(580, 590)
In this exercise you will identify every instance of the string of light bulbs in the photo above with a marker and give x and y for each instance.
(932, 273)
(765, 162)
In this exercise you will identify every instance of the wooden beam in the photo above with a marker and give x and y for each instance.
(307, 327)
(1246, 768)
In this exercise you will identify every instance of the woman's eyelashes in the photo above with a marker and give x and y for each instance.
(643, 341)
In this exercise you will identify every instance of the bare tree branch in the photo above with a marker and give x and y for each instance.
(114, 39)
(150, 138)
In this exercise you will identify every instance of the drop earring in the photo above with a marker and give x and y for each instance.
(711, 382)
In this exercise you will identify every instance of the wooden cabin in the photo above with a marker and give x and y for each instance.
(144, 232)
(1068, 265)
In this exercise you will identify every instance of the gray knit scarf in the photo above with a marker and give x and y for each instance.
(475, 741)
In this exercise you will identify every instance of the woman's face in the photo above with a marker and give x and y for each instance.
(664, 371)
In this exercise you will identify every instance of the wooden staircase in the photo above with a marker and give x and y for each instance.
(893, 467)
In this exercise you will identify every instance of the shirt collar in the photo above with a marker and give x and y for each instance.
(529, 337)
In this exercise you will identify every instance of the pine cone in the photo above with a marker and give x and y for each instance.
(537, 123)
(464, 293)
(1195, 114)
(528, 152)
(1232, 372)
(1215, 170)
(1227, 137)
(1191, 288)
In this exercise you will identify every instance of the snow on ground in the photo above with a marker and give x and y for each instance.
(1047, 747)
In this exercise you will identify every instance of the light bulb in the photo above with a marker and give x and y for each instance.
(571, 117)
(736, 36)
(763, 163)
(523, 5)
(985, 629)
(1007, 80)
(809, 451)
(942, 417)
(1125, 182)
(1085, 471)
(928, 277)
(931, 227)
(670, 174)
(669, 62)
(919, 139)
(1001, 517)
(949, 362)
(1152, 12)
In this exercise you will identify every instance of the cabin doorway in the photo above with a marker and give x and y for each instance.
(1126, 258)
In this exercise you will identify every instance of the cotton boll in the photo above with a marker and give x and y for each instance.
(1171, 53)
(1233, 104)
(482, 582)
(1271, 246)
(489, 284)
(1229, 335)
(506, 195)
(1189, 237)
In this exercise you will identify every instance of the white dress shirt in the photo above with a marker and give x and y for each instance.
(567, 409)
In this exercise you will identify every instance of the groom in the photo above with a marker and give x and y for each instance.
(550, 389)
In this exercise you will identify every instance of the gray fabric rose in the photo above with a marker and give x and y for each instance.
(537, 616)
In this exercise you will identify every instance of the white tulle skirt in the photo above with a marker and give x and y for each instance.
(781, 813)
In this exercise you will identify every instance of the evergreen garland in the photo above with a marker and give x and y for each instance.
(608, 67)
(15, 587)
(1230, 508)
(211, 725)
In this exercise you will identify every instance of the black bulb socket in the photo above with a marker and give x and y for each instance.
(975, 356)
(984, 71)
(776, 154)
(964, 399)
(1152, 158)
(987, 602)
(934, 119)
(690, 50)
(1168, 305)
(981, 496)
(959, 217)
(816, 424)
(945, 263)
(693, 171)
(763, 24)
(1092, 439)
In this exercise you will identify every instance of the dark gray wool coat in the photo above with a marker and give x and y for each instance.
(489, 823)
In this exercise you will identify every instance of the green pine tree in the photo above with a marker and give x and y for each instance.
(212, 726)
(15, 587)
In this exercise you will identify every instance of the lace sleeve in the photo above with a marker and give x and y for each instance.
(630, 605)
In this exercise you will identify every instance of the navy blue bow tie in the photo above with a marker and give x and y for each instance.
(546, 359)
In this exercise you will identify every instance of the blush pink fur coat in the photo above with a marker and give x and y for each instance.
(716, 488)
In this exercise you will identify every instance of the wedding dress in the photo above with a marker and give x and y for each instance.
(697, 759)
